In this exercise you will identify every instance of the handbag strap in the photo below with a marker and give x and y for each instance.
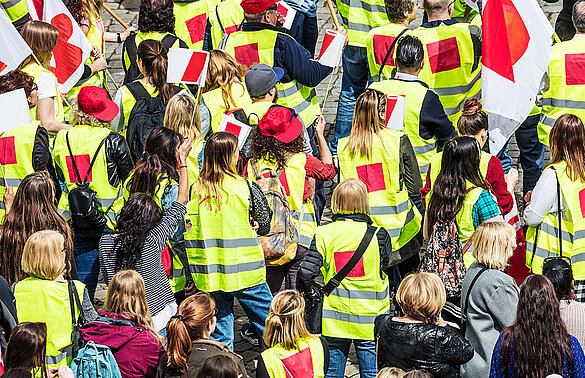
(559, 214)
(73, 301)
(75, 164)
(466, 304)
(357, 255)
(390, 52)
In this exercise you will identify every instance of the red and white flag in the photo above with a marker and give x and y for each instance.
(395, 109)
(187, 66)
(72, 49)
(517, 40)
(287, 13)
(332, 48)
(14, 49)
(239, 129)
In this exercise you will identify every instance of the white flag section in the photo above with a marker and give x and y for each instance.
(473, 4)
(395, 109)
(14, 109)
(72, 49)
(332, 48)
(516, 50)
(14, 49)
(187, 66)
(239, 129)
(287, 13)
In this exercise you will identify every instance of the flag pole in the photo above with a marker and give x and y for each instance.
(116, 17)
(111, 78)
(198, 94)
(332, 10)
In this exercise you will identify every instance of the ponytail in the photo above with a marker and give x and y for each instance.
(179, 343)
(155, 64)
(285, 324)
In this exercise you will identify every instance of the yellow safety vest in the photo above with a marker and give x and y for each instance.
(293, 181)
(361, 16)
(16, 10)
(191, 20)
(224, 252)
(251, 48)
(279, 360)
(17, 149)
(459, 11)
(256, 111)
(349, 311)
(542, 241)
(449, 66)
(225, 18)
(390, 206)
(141, 36)
(45, 301)
(214, 102)
(36, 71)
(414, 93)
(84, 141)
(192, 163)
(435, 163)
(378, 41)
(566, 93)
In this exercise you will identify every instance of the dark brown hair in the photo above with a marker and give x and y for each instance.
(273, 150)
(220, 366)
(473, 119)
(27, 347)
(33, 210)
(538, 337)
(157, 16)
(17, 79)
(153, 56)
(567, 143)
(395, 9)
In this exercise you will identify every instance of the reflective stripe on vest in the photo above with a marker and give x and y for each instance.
(414, 93)
(217, 107)
(350, 310)
(36, 72)
(14, 9)
(249, 48)
(361, 16)
(543, 241)
(231, 16)
(390, 206)
(191, 20)
(566, 92)
(449, 66)
(47, 301)
(378, 42)
(306, 360)
(224, 252)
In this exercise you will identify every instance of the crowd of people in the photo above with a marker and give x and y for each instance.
(178, 219)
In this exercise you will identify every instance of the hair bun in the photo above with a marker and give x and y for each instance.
(471, 106)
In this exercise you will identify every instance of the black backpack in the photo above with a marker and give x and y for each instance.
(133, 73)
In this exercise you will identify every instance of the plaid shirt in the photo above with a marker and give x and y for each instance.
(484, 208)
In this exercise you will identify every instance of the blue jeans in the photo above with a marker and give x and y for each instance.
(531, 152)
(85, 246)
(338, 351)
(255, 301)
(356, 76)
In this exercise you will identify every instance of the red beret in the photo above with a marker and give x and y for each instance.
(256, 6)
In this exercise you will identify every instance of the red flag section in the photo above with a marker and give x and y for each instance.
(82, 162)
(282, 9)
(195, 67)
(68, 57)
(381, 45)
(575, 69)
(196, 27)
(247, 54)
(391, 101)
(2, 66)
(8, 150)
(327, 39)
(444, 55)
(372, 175)
(341, 258)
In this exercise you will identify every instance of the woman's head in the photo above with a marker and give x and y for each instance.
(369, 118)
(153, 63)
(195, 319)
(44, 255)
(285, 323)
(156, 16)
(401, 10)
(126, 294)
(350, 197)
(26, 347)
(94, 107)
(390, 372)
(493, 244)
(17, 79)
(223, 71)
(182, 116)
(42, 38)
(421, 296)
(139, 215)
(560, 274)
(567, 144)
(473, 121)
(219, 366)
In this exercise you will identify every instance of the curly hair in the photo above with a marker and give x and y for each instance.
(17, 79)
(79, 117)
(75, 7)
(156, 15)
(273, 150)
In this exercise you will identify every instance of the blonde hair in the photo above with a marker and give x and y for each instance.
(223, 72)
(493, 244)
(43, 255)
(182, 116)
(79, 117)
(285, 323)
(421, 295)
(42, 38)
(350, 197)
(368, 119)
(391, 372)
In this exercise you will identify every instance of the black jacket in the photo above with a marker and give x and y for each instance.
(438, 350)
(42, 159)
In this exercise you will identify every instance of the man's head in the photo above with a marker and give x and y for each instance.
(399, 11)
(261, 82)
(260, 11)
(579, 16)
(438, 9)
(17, 79)
(409, 55)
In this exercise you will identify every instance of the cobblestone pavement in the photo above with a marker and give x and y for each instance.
(128, 11)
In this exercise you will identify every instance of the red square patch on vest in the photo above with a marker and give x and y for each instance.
(82, 162)
(7, 150)
(196, 27)
(444, 55)
(372, 175)
(247, 54)
(575, 69)
(381, 45)
(341, 258)
(582, 202)
(299, 364)
(230, 29)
